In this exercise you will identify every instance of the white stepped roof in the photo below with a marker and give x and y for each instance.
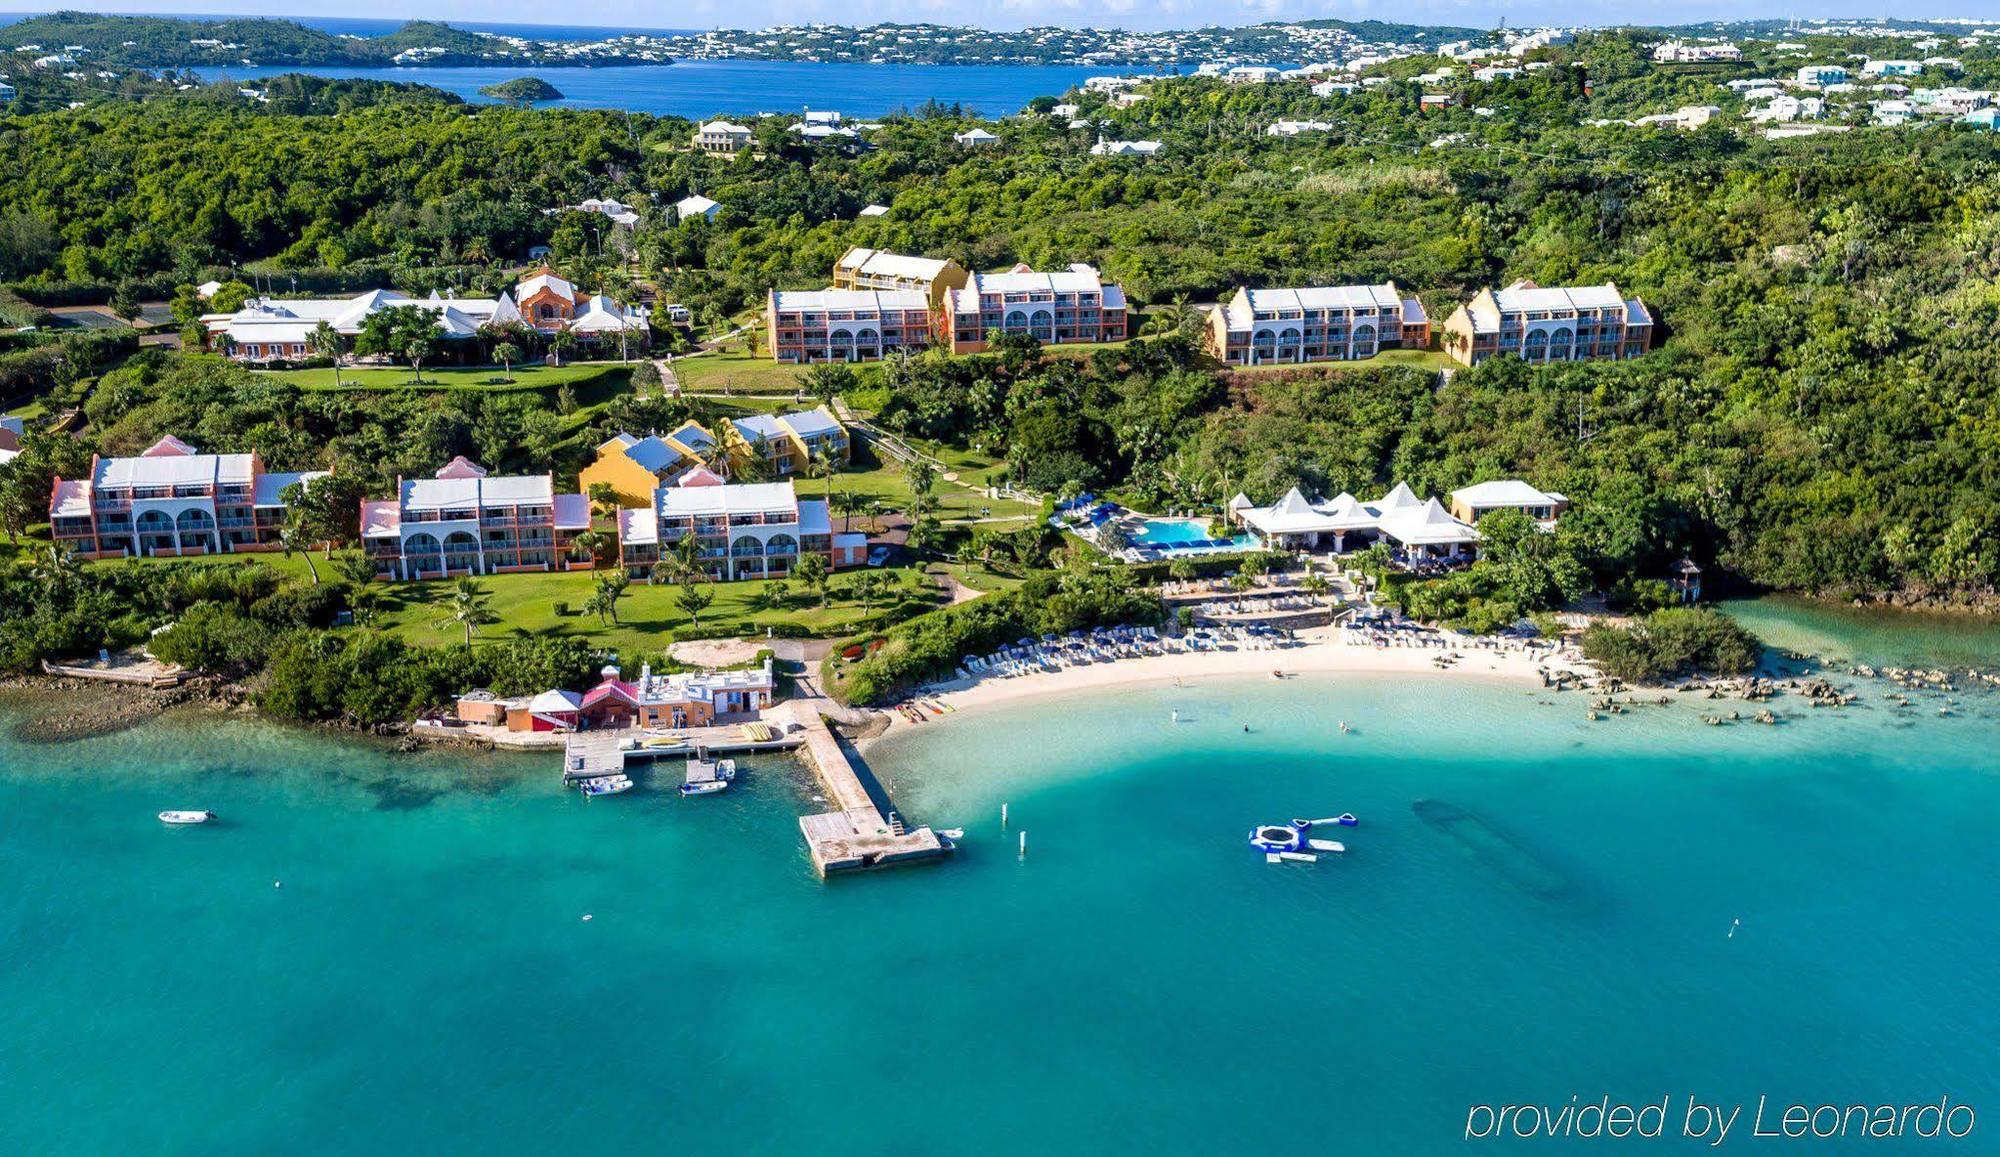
(174, 470)
(882, 263)
(857, 300)
(1504, 492)
(736, 498)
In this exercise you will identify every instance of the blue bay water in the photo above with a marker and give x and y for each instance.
(1142, 981)
(704, 88)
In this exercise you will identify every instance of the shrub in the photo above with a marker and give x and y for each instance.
(1673, 643)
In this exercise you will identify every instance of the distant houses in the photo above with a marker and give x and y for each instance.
(172, 500)
(1104, 148)
(696, 205)
(1555, 324)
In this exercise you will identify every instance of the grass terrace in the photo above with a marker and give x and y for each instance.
(605, 378)
(1425, 359)
(734, 370)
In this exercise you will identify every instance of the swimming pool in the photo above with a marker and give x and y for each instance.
(1179, 533)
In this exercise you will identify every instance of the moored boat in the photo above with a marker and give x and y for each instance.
(704, 787)
(186, 817)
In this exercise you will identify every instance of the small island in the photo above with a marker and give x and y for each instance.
(522, 90)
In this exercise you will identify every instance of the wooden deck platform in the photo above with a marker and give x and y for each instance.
(862, 833)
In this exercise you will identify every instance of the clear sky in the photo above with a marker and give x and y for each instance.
(1145, 14)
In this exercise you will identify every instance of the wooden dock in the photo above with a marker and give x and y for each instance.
(588, 754)
(862, 832)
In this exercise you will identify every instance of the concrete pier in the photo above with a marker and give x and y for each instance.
(860, 834)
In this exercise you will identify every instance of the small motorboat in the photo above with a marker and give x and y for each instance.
(704, 787)
(953, 833)
(184, 817)
(605, 785)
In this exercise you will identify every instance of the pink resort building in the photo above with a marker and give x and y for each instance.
(744, 531)
(171, 500)
(1260, 327)
(1074, 305)
(464, 521)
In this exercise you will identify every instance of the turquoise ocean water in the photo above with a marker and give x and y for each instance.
(740, 88)
(424, 981)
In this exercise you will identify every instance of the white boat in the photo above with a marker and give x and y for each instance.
(953, 833)
(606, 785)
(704, 787)
(186, 817)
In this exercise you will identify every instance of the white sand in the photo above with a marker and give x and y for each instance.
(1323, 653)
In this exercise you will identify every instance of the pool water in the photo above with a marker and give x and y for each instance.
(1168, 533)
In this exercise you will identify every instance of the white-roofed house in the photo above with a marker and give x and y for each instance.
(172, 500)
(863, 268)
(1420, 530)
(696, 205)
(873, 211)
(463, 521)
(1539, 325)
(1104, 148)
(975, 138)
(742, 531)
(845, 325)
(1072, 305)
(1319, 323)
(723, 137)
(1471, 503)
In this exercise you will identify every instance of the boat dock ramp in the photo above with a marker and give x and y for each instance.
(862, 832)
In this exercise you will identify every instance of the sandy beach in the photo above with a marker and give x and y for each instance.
(1323, 651)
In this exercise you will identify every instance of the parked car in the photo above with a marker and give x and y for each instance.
(877, 555)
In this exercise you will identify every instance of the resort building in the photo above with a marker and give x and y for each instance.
(845, 325)
(1323, 323)
(748, 531)
(1549, 325)
(1684, 52)
(171, 500)
(861, 268)
(1074, 305)
(465, 522)
(635, 467)
(788, 442)
(1421, 531)
(689, 699)
(1472, 503)
(269, 329)
(723, 137)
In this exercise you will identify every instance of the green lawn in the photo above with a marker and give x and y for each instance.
(735, 371)
(611, 375)
(888, 485)
(525, 604)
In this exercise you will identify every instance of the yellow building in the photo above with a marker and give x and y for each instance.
(634, 467)
(788, 441)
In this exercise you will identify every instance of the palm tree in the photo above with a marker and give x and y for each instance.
(820, 466)
(330, 344)
(467, 608)
(507, 353)
(563, 342)
(603, 500)
(849, 504)
(57, 569)
(1314, 584)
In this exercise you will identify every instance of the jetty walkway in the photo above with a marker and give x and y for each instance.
(862, 832)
